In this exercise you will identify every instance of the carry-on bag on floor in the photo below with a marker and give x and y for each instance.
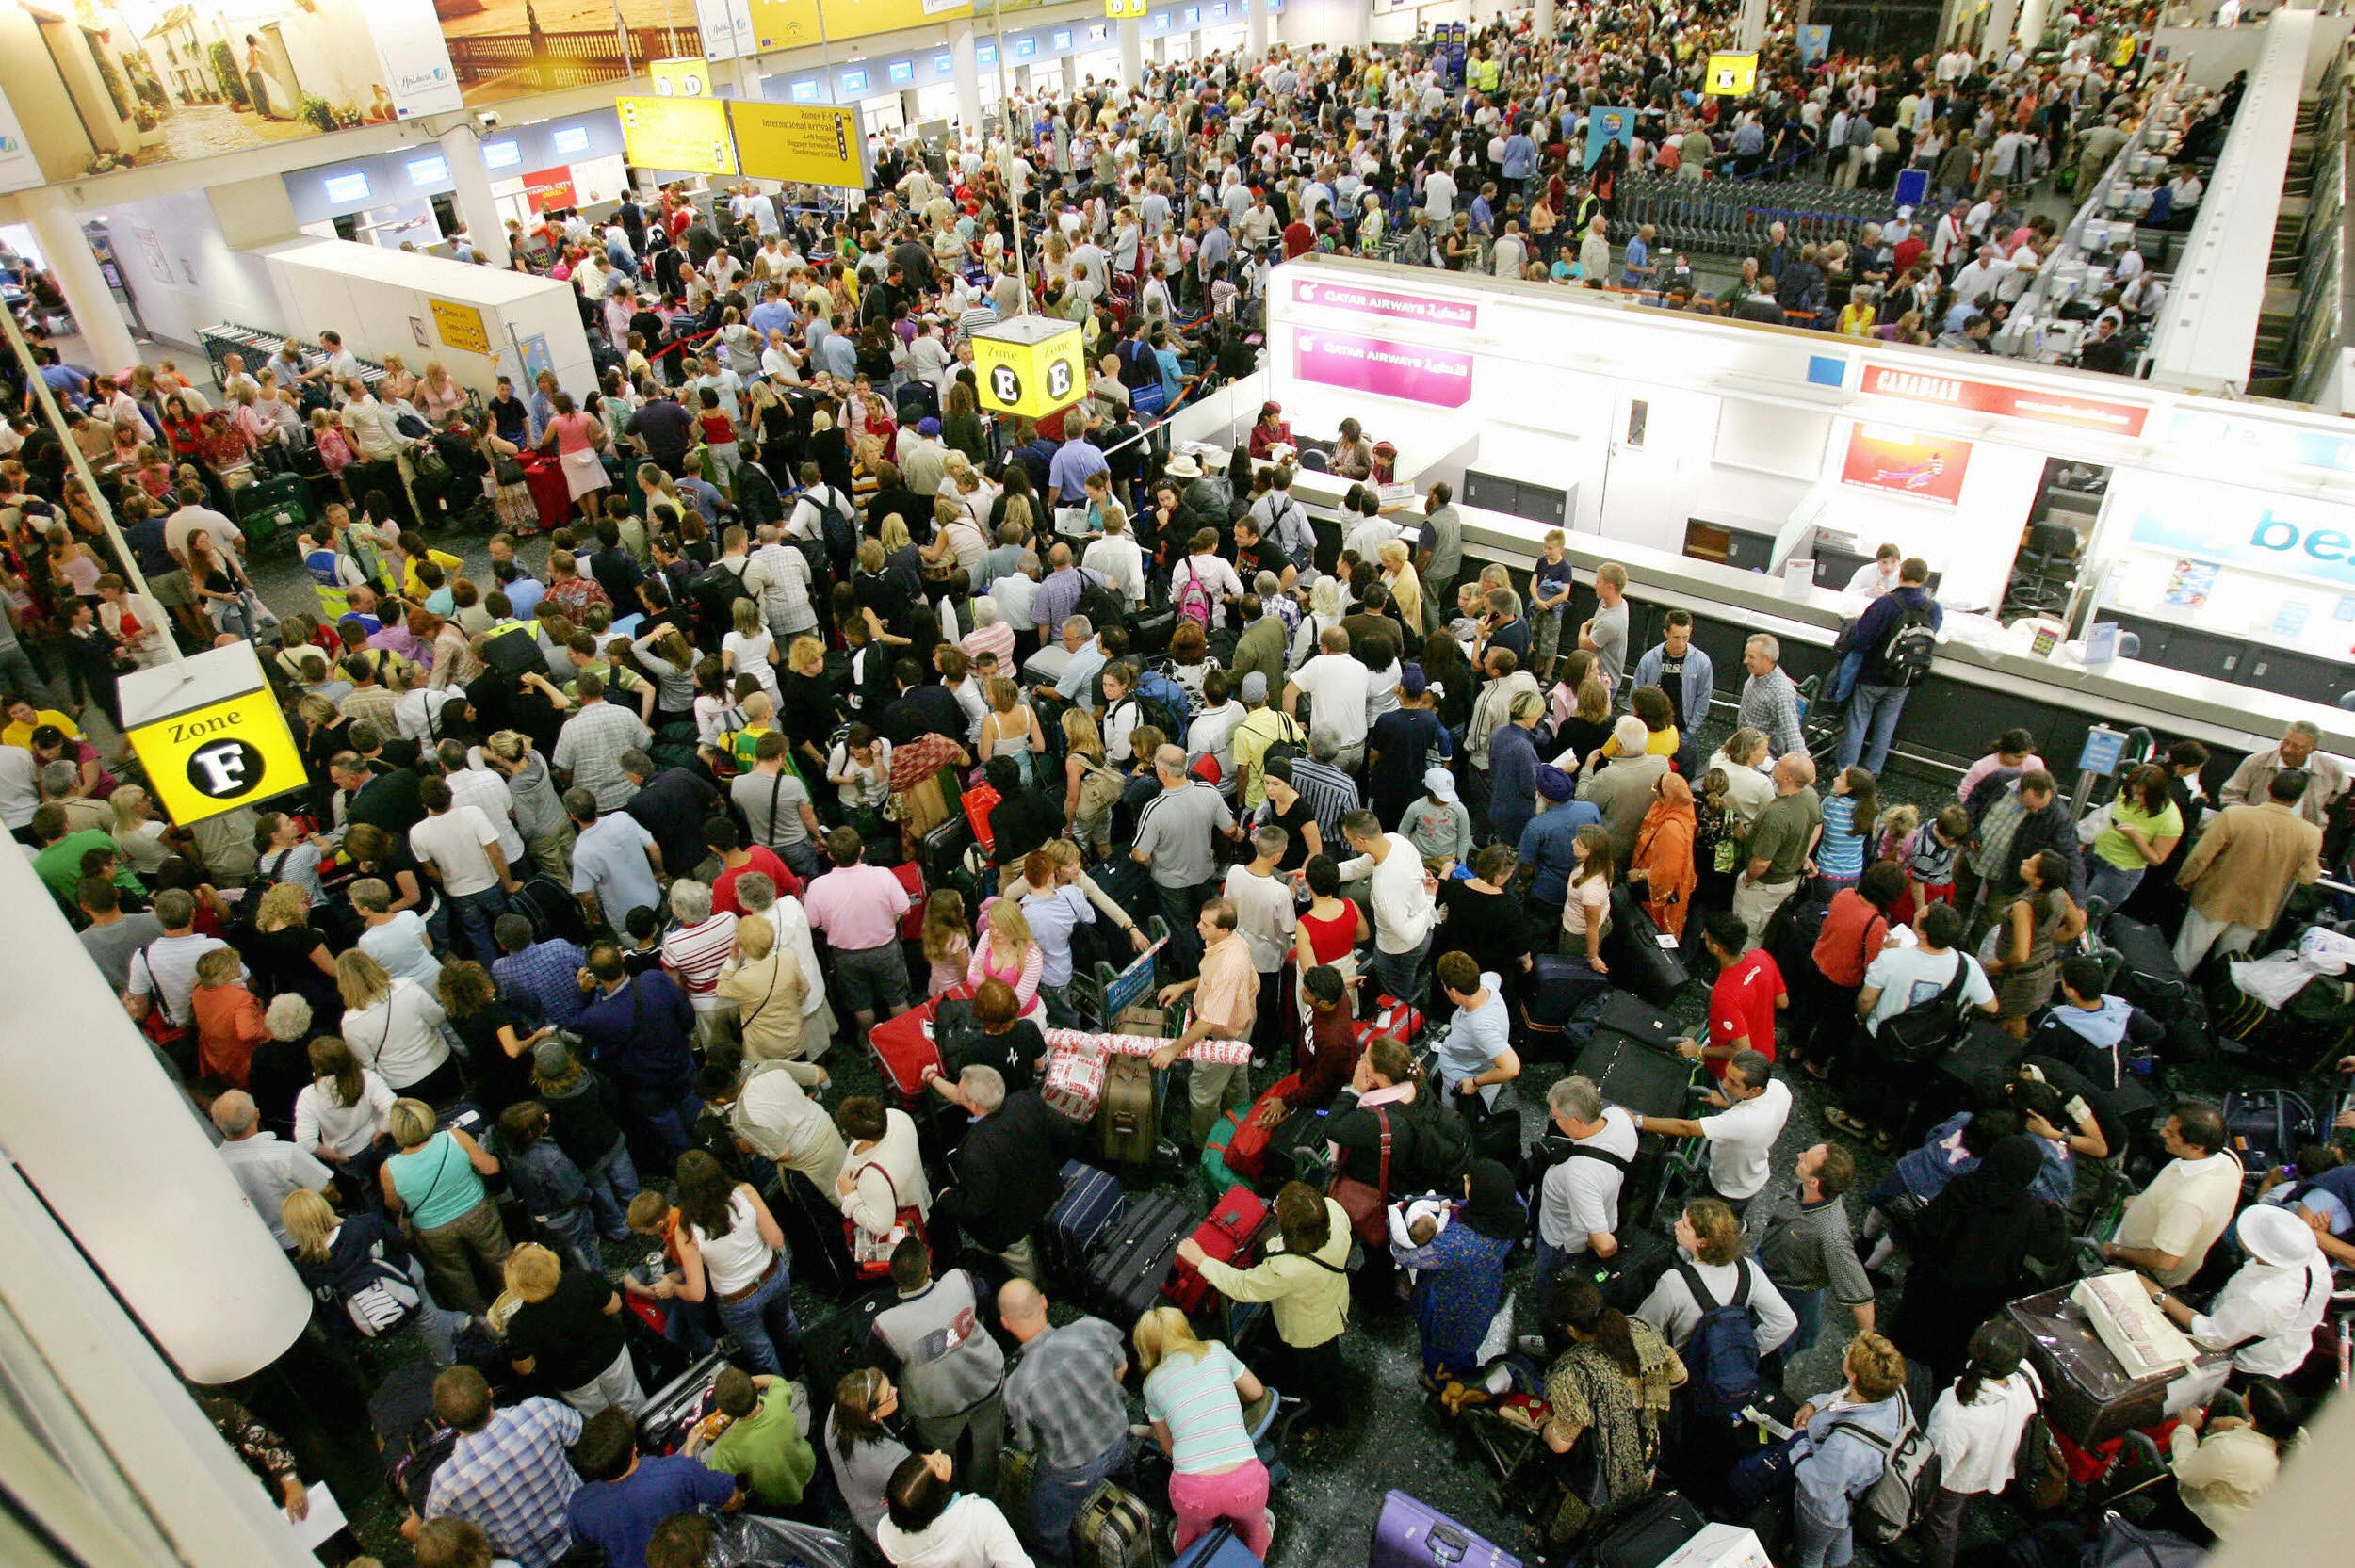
(1632, 948)
(843, 1342)
(1559, 988)
(1086, 1214)
(1218, 1550)
(673, 1411)
(2147, 975)
(1410, 1534)
(1126, 1276)
(2266, 1128)
(1114, 1529)
(1229, 1234)
(1126, 1123)
(1627, 1276)
(1649, 1533)
(1633, 1075)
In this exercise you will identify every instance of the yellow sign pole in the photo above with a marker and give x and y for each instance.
(82, 470)
(1005, 118)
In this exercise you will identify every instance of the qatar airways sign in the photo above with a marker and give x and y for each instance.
(1388, 304)
(1438, 377)
(2050, 407)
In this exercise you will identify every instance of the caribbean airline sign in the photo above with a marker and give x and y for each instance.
(2049, 408)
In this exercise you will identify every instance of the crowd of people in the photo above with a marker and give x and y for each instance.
(602, 850)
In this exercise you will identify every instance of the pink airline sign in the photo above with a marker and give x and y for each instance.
(1439, 377)
(1386, 303)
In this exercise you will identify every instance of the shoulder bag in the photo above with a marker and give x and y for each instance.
(1364, 1202)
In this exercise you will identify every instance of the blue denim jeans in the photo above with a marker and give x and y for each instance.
(613, 1183)
(1819, 1544)
(1400, 975)
(474, 913)
(1057, 1497)
(1871, 725)
(2112, 884)
(575, 1231)
(763, 1317)
(1808, 1307)
(669, 1121)
(437, 1326)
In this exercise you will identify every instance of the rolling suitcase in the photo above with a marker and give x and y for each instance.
(904, 1047)
(2089, 1396)
(1126, 1123)
(552, 909)
(1409, 1534)
(2147, 975)
(1125, 1276)
(268, 508)
(1247, 1150)
(843, 1342)
(1229, 1234)
(1634, 1074)
(1969, 1077)
(1088, 1211)
(1639, 963)
(2265, 1127)
(1621, 1014)
(1649, 1533)
(673, 1410)
(1626, 1277)
(1218, 1550)
(1114, 1529)
(911, 877)
(1558, 988)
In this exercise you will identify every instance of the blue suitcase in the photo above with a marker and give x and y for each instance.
(1408, 1534)
(1088, 1211)
(1218, 1550)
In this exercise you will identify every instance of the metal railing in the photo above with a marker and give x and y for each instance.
(567, 59)
(1723, 218)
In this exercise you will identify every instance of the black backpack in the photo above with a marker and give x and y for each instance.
(1904, 655)
(715, 593)
(1101, 603)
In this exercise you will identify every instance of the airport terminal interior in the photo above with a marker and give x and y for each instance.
(812, 783)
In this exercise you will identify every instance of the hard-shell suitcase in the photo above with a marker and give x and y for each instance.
(1126, 1123)
(1632, 948)
(1230, 1233)
(1649, 1533)
(673, 1411)
(2089, 1398)
(1218, 1550)
(1633, 1075)
(903, 1047)
(1125, 1276)
(1558, 988)
(1114, 1529)
(2265, 1127)
(1086, 1214)
(1411, 1534)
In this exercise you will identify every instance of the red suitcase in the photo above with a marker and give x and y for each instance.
(904, 1050)
(912, 878)
(550, 491)
(1247, 1151)
(1230, 1233)
(976, 802)
(1392, 1017)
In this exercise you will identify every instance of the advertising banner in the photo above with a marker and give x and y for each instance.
(1389, 304)
(680, 136)
(790, 23)
(2221, 525)
(1606, 126)
(802, 144)
(19, 168)
(1814, 44)
(2049, 408)
(1928, 468)
(1438, 377)
(726, 26)
(548, 189)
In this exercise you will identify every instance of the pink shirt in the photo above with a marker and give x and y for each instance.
(575, 433)
(1228, 994)
(982, 966)
(857, 906)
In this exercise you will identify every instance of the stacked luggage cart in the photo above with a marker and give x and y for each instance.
(1728, 218)
(255, 346)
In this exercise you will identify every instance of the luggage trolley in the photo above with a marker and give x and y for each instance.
(1105, 994)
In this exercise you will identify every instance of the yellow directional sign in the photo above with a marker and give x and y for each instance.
(1031, 365)
(800, 144)
(220, 755)
(1124, 8)
(690, 77)
(461, 326)
(1732, 75)
(683, 136)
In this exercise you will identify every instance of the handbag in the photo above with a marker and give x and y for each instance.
(508, 470)
(871, 1254)
(1364, 1204)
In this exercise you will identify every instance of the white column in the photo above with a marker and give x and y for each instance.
(1753, 32)
(2032, 19)
(1261, 32)
(1546, 21)
(1130, 31)
(57, 229)
(1361, 22)
(969, 78)
(470, 194)
(2000, 16)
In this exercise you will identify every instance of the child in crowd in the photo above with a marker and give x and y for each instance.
(945, 946)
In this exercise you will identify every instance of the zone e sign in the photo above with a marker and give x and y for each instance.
(1732, 75)
(1031, 365)
(214, 742)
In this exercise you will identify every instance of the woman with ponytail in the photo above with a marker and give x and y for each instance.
(1976, 1427)
(1613, 1381)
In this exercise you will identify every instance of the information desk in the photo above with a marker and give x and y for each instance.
(1972, 693)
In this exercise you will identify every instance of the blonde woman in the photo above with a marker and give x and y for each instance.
(765, 987)
(396, 1026)
(343, 1117)
(1084, 754)
(1010, 728)
(1007, 951)
(434, 1185)
(1194, 1395)
(361, 1264)
(1405, 587)
(142, 839)
(439, 396)
(566, 1332)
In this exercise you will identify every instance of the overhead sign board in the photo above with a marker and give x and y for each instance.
(461, 326)
(683, 78)
(683, 136)
(801, 144)
(1124, 9)
(1031, 365)
(2050, 407)
(1732, 75)
(210, 736)
(550, 189)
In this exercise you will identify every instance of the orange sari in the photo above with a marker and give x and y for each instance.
(1663, 852)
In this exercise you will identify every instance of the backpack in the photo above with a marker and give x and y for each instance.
(1859, 131)
(1910, 1471)
(1194, 601)
(1156, 686)
(715, 593)
(1101, 603)
(836, 526)
(1152, 710)
(1722, 1356)
(1437, 1153)
(1100, 790)
(1904, 655)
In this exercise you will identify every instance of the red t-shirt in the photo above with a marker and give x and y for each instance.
(762, 860)
(1742, 1003)
(1331, 940)
(1851, 938)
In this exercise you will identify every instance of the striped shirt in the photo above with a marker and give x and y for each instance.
(513, 1480)
(695, 955)
(1196, 1398)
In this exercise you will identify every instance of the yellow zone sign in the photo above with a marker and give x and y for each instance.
(215, 757)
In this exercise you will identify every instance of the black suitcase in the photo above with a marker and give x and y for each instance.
(1126, 1276)
(1968, 1077)
(1638, 961)
(1559, 989)
(1627, 1276)
(813, 1231)
(842, 1343)
(554, 913)
(1496, 1134)
(1631, 1016)
(2265, 1127)
(1636, 1075)
(672, 1411)
(1648, 1533)
(2147, 975)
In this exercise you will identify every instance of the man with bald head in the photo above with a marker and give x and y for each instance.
(267, 1170)
(1064, 1404)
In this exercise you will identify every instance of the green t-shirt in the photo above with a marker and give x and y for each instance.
(2111, 845)
(61, 864)
(769, 1447)
(1785, 826)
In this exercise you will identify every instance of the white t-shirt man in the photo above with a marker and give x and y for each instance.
(1742, 1141)
(454, 841)
(1439, 195)
(1908, 976)
(1580, 1197)
(1338, 684)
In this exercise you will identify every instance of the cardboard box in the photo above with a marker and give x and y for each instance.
(1153, 1021)
(1720, 1546)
